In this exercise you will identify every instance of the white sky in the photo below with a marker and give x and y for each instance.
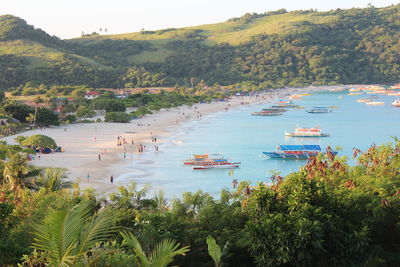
(68, 18)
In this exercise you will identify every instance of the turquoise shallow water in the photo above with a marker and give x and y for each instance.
(242, 137)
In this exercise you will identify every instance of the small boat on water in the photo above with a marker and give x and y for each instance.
(205, 159)
(200, 162)
(265, 113)
(358, 93)
(284, 101)
(297, 152)
(285, 106)
(319, 110)
(340, 97)
(305, 94)
(277, 110)
(375, 103)
(396, 103)
(307, 132)
(298, 97)
(216, 166)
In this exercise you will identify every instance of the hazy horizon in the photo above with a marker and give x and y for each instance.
(67, 19)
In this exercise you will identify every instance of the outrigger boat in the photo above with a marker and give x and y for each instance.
(307, 132)
(285, 106)
(264, 113)
(375, 103)
(278, 110)
(319, 110)
(363, 100)
(216, 166)
(204, 159)
(284, 101)
(369, 99)
(396, 103)
(358, 93)
(299, 97)
(296, 152)
(269, 112)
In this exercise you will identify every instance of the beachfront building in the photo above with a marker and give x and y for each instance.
(92, 94)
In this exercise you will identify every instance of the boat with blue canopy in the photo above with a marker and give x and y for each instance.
(303, 152)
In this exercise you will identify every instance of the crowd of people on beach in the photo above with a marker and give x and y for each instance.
(122, 141)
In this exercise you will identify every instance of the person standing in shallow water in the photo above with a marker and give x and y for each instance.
(112, 179)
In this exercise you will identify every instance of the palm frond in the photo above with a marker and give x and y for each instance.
(57, 238)
(165, 251)
(132, 242)
(59, 234)
(162, 202)
(100, 228)
(52, 180)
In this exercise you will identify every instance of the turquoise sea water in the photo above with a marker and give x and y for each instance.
(242, 137)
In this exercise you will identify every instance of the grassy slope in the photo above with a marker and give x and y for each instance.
(232, 32)
(37, 54)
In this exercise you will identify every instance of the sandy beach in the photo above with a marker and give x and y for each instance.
(92, 154)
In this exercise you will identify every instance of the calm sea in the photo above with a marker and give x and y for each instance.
(242, 137)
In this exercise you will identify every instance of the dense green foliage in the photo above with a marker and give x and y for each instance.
(46, 117)
(338, 46)
(22, 112)
(326, 214)
(117, 117)
(18, 111)
(139, 77)
(40, 141)
(84, 112)
(108, 104)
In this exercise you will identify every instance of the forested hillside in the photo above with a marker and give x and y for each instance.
(270, 49)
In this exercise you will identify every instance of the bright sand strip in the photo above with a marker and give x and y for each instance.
(83, 143)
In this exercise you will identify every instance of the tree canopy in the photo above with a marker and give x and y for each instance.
(40, 141)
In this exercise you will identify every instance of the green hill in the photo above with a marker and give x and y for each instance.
(269, 49)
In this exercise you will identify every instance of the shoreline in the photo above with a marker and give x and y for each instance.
(92, 155)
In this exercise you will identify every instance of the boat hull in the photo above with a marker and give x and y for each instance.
(265, 114)
(207, 167)
(312, 112)
(302, 135)
(303, 156)
(375, 103)
(277, 155)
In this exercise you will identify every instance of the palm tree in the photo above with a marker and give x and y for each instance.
(162, 255)
(14, 171)
(31, 118)
(67, 236)
(161, 202)
(38, 100)
(52, 180)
